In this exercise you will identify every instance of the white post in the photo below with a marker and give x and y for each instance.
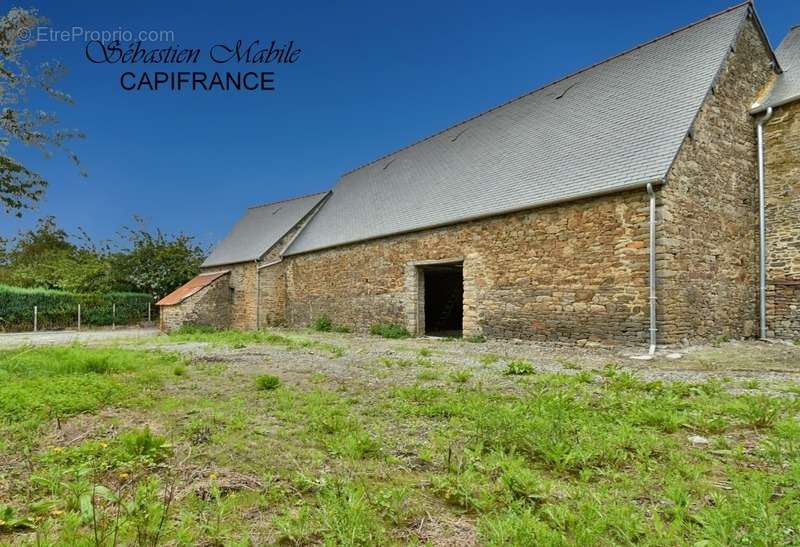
(79, 317)
(113, 316)
(35, 318)
(148, 312)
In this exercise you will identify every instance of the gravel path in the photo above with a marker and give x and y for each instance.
(49, 338)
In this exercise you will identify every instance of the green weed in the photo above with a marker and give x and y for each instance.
(520, 367)
(460, 376)
(267, 382)
(389, 330)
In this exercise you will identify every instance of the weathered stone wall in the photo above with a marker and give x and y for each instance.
(707, 237)
(782, 185)
(243, 295)
(210, 306)
(573, 272)
(245, 279)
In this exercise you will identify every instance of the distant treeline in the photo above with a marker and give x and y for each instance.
(139, 260)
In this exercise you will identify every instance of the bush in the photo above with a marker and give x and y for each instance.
(267, 382)
(322, 323)
(389, 330)
(519, 367)
(475, 339)
(59, 309)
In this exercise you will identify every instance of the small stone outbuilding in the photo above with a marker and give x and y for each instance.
(619, 204)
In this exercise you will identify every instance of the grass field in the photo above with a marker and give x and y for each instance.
(155, 445)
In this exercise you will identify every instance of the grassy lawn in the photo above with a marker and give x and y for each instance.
(104, 446)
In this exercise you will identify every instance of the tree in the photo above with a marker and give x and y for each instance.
(20, 187)
(45, 257)
(144, 261)
(158, 263)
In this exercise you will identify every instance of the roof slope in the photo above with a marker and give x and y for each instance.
(190, 287)
(260, 228)
(787, 86)
(614, 125)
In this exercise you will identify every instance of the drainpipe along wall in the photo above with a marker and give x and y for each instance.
(762, 228)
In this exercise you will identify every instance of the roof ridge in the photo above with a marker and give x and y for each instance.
(554, 82)
(288, 199)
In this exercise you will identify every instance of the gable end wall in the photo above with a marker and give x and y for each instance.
(708, 230)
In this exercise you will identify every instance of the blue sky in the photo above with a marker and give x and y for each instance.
(372, 77)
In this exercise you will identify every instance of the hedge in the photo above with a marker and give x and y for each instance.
(59, 309)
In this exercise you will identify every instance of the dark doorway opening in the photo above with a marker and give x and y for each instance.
(444, 299)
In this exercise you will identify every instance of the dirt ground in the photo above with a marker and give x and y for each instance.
(754, 364)
(742, 365)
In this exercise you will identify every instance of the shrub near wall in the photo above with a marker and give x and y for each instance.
(59, 309)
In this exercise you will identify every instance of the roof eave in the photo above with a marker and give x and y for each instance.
(761, 108)
(537, 205)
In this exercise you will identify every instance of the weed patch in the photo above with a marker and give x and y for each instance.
(520, 368)
(267, 382)
(389, 330)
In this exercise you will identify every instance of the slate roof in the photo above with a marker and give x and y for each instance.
(787, 86)
(614, 125)
(260, 228)
(190, 287)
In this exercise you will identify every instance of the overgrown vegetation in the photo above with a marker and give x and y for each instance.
(323, 323)
(37, 385)
(389, 330)
(141, 260)
(114, 448)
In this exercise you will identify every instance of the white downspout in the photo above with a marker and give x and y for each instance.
(762, 228)
(652, 195)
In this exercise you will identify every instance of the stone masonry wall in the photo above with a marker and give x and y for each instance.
(707, 259)
(782, 137)
(273, 284)
(572, 272)
(243, 301)
(245, 280)
(210, 306)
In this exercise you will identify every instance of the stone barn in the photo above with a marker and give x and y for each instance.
(652, 197)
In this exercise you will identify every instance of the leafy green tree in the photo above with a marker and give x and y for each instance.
(20, 187)
(45, 257)
(145, 261)
(158, 263)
